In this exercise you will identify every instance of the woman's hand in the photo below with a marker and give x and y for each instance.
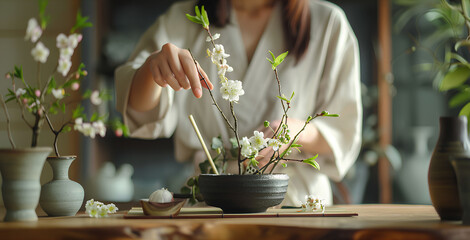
(171, 66)
(175, 67)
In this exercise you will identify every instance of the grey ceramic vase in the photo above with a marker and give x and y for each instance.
(61, 196)
(443, 189)
(243, 193)
(21, 172)
(462, 170)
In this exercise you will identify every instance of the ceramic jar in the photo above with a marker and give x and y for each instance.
(21, 171)
(61, 196)
(443, 189)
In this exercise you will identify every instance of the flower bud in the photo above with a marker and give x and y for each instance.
(7, 76)
(75, 86)
(85, 73)
(118, 132)
(77, 75)
(37, 92)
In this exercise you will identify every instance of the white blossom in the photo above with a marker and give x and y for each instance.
(218, 53)
(64, 66)
(223, 67)
(215, 37)
(275, 144)
(58, 93)
(62, 41)
(33, 30)
(20, 92)
(313, 204)
(95, 98)
(74, 39)
(97, 209)
(112, 208)
(40, 53)
(232, 90)
(100, 128)
(88, 130)
(78, 126)
(258, 141)
(247, 150)
(66, 53)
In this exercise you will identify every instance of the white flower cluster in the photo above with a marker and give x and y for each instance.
(90, 129)
(98, 209)
(251, 146)
(33, 33)
(66, 46)
(231, 90)
(313, 204)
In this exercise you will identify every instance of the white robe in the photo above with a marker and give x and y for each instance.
(327, 78)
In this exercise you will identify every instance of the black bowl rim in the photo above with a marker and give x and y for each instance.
(277, 176)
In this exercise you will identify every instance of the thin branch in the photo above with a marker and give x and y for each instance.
(7, 116)
(210, 92)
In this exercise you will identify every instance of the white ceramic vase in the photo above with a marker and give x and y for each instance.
(61, 196)
(21, 171)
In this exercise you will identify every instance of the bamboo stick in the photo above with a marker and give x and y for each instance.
(203, 144)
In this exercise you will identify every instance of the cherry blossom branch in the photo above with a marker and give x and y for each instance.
(7, 116)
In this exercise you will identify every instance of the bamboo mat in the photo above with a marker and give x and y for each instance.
(212, 212)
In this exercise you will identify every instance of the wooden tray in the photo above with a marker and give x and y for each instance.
(212, 212)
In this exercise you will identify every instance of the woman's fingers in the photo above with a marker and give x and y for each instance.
(203, 83)
(191, 72)
(175, 67)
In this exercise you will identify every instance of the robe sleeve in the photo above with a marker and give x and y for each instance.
(339, 92)
(160, 121)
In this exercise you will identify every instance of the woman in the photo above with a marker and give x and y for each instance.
(322, 69)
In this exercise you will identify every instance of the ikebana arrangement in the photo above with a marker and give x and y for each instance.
(245, 150)
(39, 98)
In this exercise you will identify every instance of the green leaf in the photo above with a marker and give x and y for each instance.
(66, 129)
(295, 145)
(185, 190)
(52, 85)
(465, 111)
(190, 182)
(284, 164)
(292, 96)
(94, 117)
(455, 78)
(312, 162)
(196, 10)
(42, 14)
(272, 55)
(194, 19)
(460, 98)
(87, 94)
(205, 19)
(283, 98)
(216, 143)
(81, 22)
(281, 57)
(78, 112)
(269, 60)
(332, 115)
(62, 107)
(253, 162)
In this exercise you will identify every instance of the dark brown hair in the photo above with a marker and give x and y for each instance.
(295, 21)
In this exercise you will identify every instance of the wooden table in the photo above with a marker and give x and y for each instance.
(373, 222)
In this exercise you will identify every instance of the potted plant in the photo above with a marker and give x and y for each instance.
(38, 101)
(448, 43)
(255, 188)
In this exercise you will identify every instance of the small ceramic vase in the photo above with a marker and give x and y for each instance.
(61, 196)
(452, 142)
(462, 170)
(21, 171)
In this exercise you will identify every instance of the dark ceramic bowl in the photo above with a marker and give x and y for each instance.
(243, 193)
